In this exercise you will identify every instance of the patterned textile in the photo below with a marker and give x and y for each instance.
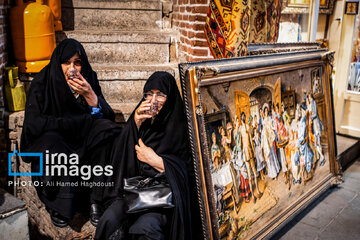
(232, 24)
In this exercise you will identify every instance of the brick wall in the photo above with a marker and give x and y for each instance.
(189, 18)
(4, 9)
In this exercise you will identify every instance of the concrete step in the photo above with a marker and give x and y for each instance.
(113, 4)
(122, 83)
(111, 72)
(111, 15)
(123, 110)
(123, 47)
(13, 217)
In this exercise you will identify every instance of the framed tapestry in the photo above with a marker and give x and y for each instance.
(262, 138)
(302, 6)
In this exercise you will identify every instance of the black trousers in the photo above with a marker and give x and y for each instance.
(58, 198)
(116, 224)
(66, 198)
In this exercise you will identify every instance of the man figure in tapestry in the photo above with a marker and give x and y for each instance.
(282, 141)
(248, 154)
(316, 127)
(215, 153)
(302, 143)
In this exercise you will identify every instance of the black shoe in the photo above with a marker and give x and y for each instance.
(57, 219)
(95, 214)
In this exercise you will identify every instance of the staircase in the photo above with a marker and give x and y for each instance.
(126, 41)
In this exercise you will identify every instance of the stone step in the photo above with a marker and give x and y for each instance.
(111, 15)
(123, 110)
(111, 72)
(113, 4)
(13, 217)
(117, 72)
(121, 84)
(123, 47)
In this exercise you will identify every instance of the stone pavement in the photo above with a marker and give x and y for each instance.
(344, 143)
(335, 215)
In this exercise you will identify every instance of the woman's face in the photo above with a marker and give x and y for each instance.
(266, 111)
(156, 98)
(222, 132)
(70, 65)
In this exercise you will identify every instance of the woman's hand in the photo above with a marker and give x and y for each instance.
(141, 113)
(147, 155)
(82, 87)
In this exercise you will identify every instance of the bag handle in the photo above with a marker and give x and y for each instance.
(10, 75)
(150, 180)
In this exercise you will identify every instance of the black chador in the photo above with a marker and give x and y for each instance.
(59, 120)
(167, 135)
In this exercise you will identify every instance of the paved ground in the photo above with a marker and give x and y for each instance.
(344, 143)
(335, 215)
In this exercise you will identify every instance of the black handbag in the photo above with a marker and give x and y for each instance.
(145, 193)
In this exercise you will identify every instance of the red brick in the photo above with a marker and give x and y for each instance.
(192, 26)
(200, 52)
(198, 26)
(184, 32)
(183, 25)
(182, 9)
(199, 43)
(192, 59)
(191, 34)
(199, 2)
(194, 43)
(202, 9)
(176, 23)
(196, 18)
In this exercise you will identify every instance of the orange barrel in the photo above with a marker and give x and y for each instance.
(55, 6)
(33, 35)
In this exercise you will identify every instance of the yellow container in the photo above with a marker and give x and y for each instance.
(55, 6)
(33, 35)
(14, 90)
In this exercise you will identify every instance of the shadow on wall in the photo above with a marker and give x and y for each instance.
(67, 14)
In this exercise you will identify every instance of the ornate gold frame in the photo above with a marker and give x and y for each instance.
(196, 75)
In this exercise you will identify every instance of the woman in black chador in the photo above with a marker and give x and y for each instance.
(153, 140)
(67, 113)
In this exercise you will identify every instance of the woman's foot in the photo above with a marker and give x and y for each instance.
(95, 214)
(57, 219)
